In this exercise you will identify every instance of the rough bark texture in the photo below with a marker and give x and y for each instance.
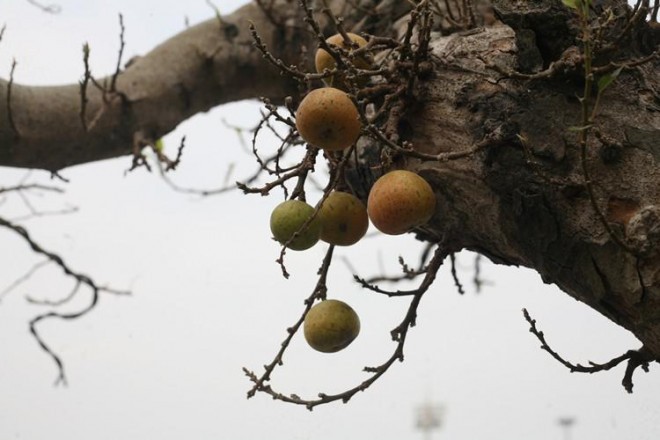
(530, 209)
(540, 215)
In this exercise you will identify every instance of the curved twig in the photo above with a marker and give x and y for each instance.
(398, 335)
(635, 358)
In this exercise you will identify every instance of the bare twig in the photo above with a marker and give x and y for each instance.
(68, 271)
(70, 296)
(408, 273)
(302, 169)
(23, 278)
(318, 293)
(122, 44)
(635, 358)
(454, 275)
(399, 335)
(477, 280)
(10, 114)
(50, 9)
(586, 122)
(56, 303)
(261, 46)
(30, 187)
(84, 82)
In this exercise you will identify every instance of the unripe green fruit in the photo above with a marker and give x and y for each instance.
(331, 325)
(328, 119)
(344, 219)
(399, 201)
(288, 218)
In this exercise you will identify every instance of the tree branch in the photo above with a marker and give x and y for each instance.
(190, 73)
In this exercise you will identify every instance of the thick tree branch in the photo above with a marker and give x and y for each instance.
(194, 71)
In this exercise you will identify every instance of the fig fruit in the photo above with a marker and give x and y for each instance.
(330, 326)
(323, 60)
(328, 119)
(344, 219)
(399, 201)
(288, 218)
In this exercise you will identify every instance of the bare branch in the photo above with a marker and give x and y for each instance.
(10, 114)
(635, 358)
(23, 278)
(83, 87)
(399, 335)
(30, 187)
(454, 275)
(50, 9)
(122, 44)
(318, 293)
(68, 271)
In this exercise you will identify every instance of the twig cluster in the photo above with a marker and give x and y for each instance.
(399, 334)
(80, 280)
(24, 190)
(382, 94)
(110, 94)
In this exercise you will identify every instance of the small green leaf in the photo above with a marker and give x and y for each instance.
(573, 4)
(608, 79)
(159, 145)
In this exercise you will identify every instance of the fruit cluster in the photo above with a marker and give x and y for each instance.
(327, 118)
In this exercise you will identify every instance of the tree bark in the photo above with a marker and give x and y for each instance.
(522, 200)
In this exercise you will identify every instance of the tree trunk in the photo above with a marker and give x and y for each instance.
(523, 199)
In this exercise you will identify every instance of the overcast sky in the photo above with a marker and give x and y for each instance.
(209, 299)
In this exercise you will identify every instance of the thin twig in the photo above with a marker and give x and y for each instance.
(23, 278)
(50, 9)
(10, 114)
(318, 293)
(454, 275)
(635, 358)
(68, 271)
(83, 87)
(399, 335)
(30, 187)
(122, 44)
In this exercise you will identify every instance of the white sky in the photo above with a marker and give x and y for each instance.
(209, 299)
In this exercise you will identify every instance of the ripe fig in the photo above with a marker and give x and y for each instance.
(344, 219)
(324, 60)
(399, 201)
(328, 119)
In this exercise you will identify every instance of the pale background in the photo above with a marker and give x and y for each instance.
(208, 298)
